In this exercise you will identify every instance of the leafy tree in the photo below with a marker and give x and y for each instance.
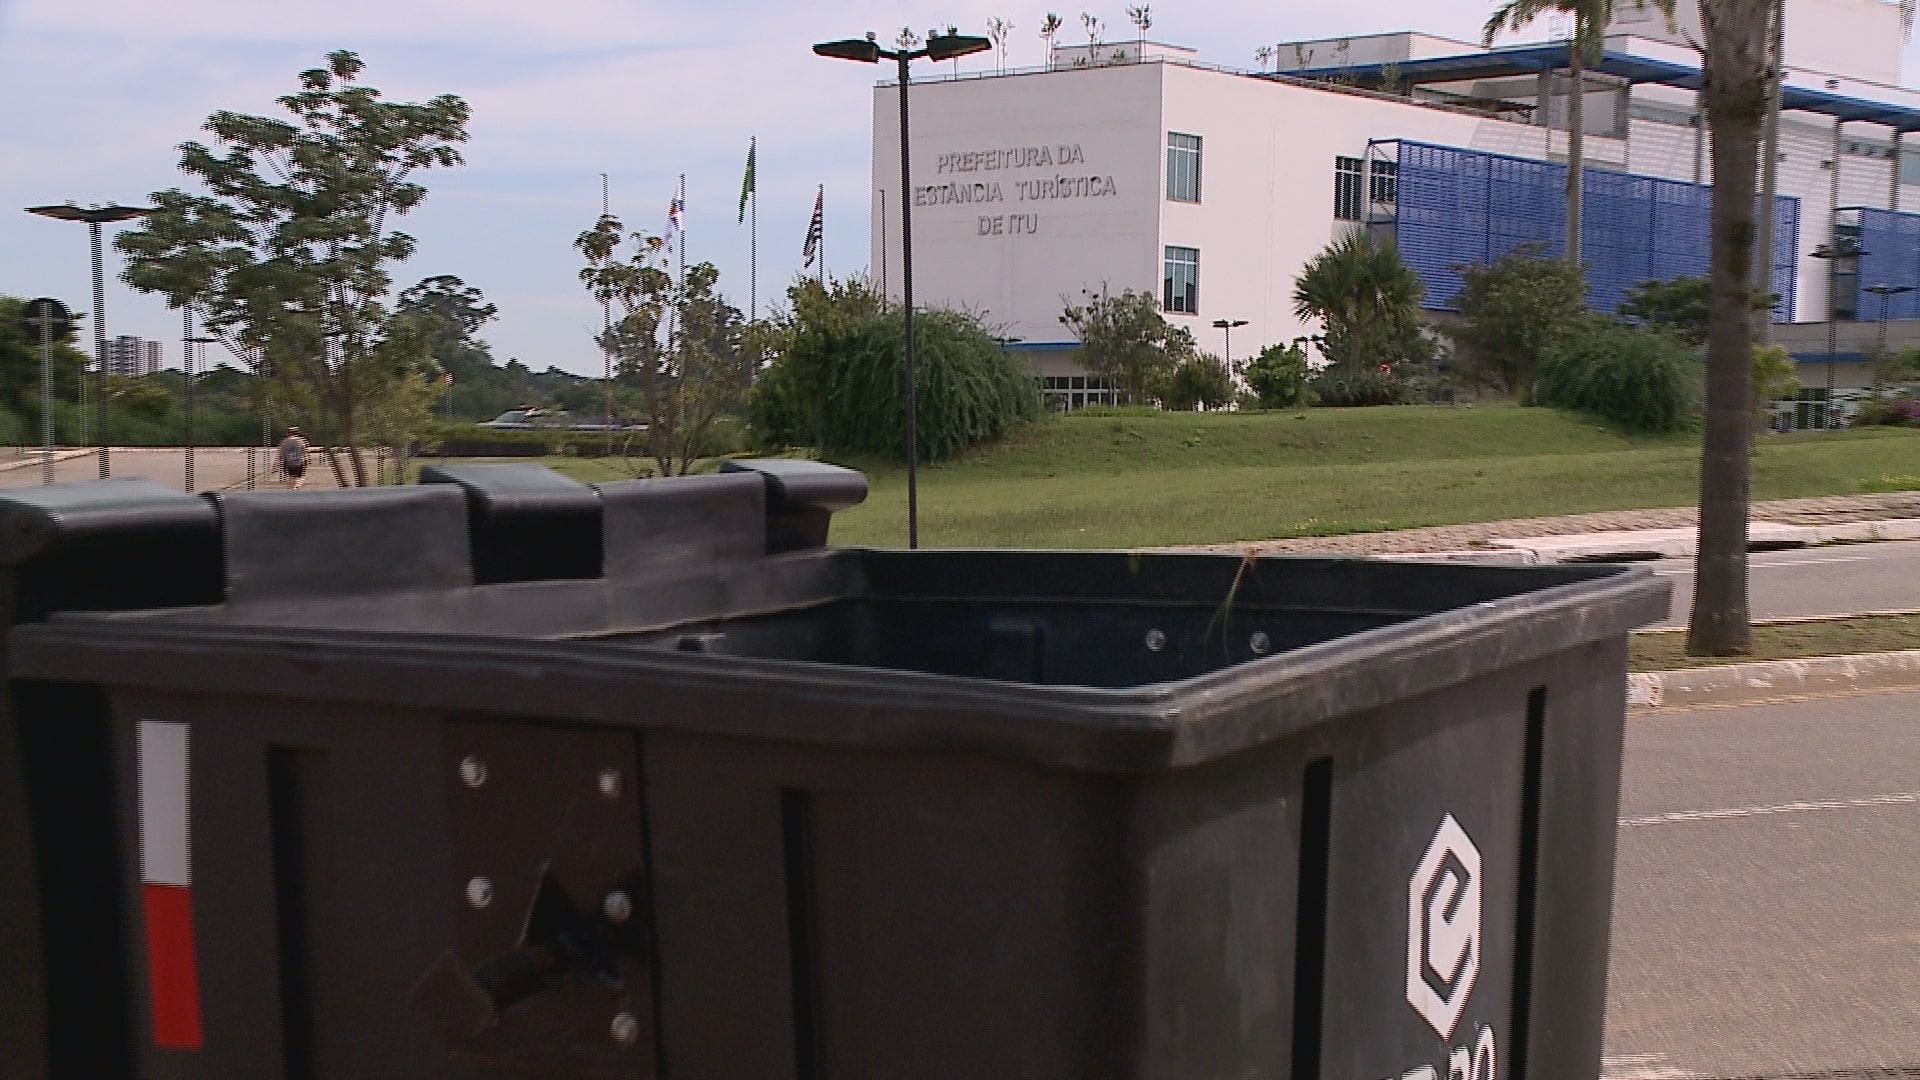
(285, 256)
(1682, 305)
(1775, 378)
(1590, 20)
(1201, 381)
(1736, 72)
(452, 313)
(20, 373)
(1638, 378)
(709, 370)
(1894, 367)
(1125, 339)
(1516, 310)
(838, 383)
(1049, 27)
(641, 294)
(1279, 377)
(1360, 291)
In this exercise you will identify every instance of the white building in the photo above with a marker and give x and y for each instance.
(132, 356)
(1144, 168)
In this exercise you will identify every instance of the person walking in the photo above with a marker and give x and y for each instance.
(293, 458)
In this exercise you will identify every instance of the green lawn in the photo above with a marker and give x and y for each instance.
(1666, 650)
(1149, 479)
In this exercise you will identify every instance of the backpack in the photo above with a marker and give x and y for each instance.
(293, 453)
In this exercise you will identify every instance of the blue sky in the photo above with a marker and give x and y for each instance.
(94, 97)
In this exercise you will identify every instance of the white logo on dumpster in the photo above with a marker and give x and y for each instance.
(1443, 928)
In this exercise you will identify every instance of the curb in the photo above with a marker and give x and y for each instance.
(1643, 544)
(1770, 680)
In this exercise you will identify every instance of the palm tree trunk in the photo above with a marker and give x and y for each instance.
(1576, 145)
(1735, 95)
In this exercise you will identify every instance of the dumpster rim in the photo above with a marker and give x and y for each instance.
(1148, 727)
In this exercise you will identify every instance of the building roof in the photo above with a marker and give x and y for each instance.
(1534, 59)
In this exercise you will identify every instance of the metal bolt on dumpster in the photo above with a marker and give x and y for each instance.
(503, 775)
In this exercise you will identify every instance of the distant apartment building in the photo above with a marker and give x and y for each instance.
(132, 356)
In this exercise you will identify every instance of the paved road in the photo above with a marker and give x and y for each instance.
(1766, 921)
(1816, 581)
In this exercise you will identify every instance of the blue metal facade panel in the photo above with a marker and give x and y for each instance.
(1890, 246)
(1466, 206)
(1442, 215)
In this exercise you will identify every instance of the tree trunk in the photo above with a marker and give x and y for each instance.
(1576, 146)
(1735, 94)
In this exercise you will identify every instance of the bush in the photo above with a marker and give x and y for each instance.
(1896, 412)
(1337, 387)
(1515, 311)
(839, 384)
(1199, 382)
(1640, 379)
(1280, 378)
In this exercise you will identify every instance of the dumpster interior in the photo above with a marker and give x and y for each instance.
(736, 565)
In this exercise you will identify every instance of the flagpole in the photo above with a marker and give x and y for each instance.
(821, 199)
(753, 242)
(606, 332)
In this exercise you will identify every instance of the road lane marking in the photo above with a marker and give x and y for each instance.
(1770, 565)
(1641, 1067)
(1898, 798)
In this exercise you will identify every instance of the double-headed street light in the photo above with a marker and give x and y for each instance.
(867, 51)
(95, 216)
(1228, 325)
(1885, 292)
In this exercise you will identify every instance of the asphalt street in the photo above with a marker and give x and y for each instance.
(1815, 581)
(1766, 921)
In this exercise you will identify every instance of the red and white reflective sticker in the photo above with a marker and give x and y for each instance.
(166, 885)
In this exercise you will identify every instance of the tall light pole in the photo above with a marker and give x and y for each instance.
(1885, 292)
(95, 216)
(1228, 325)
(1841, 247)
(867, 51)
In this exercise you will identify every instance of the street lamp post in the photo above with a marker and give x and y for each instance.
(867, 51)
(95, 217)
(188, 339)
(1228, 325)
(1842, 247)
(1885, 292)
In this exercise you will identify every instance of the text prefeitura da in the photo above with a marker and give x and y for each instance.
(1065, 186)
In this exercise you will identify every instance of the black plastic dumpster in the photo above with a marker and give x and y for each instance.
(745, 806)
(105, 545)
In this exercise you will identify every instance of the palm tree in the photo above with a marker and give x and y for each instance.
(1357, 284)
(1735, 93)
(1590, 19)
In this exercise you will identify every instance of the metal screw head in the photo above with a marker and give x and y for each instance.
(618, 907)
(473, 771)
(1260, 643)
(479, 892)
(625, 1028)
(1156, 641)
(610, 783)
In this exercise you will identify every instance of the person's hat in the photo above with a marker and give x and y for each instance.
(293, 429)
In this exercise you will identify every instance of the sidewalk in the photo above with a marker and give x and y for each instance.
(1822, 511)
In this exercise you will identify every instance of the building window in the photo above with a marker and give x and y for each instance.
(1383, 185)
(1183, 167)
(1347, 188)
(1183, 280)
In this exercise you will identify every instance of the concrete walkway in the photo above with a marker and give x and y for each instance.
(1823, 511)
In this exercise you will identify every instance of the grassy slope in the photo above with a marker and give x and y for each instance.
(1147, 479)
(1141, 480)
